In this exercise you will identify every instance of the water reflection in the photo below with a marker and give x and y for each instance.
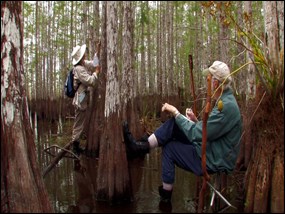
(72, 183)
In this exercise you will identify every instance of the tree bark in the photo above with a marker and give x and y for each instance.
(113, 184)
(142, 76)
(96, 123)
(277, 193)
(127, 81)
(262, 185)
(22, 187)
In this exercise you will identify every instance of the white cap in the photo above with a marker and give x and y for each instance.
(78, 53)
(220, 71)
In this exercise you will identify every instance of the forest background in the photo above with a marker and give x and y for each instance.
(145, 61)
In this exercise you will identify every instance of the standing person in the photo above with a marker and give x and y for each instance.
(181, 137)
(85, 75)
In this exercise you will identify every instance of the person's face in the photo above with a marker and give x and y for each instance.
(82, 59)
(215, 83)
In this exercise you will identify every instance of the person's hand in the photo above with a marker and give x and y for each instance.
(170, 108)
(190, 115)
(98, 69)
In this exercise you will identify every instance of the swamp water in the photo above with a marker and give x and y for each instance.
(70, 184)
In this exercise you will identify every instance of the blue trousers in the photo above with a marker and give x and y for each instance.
(176, 150)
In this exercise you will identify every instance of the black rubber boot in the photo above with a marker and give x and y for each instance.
(165, 207)
(165, 204)
(144, 138)
(134, 148)
(76, 148)
(165, 195)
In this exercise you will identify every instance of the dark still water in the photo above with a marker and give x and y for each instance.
(71, 184)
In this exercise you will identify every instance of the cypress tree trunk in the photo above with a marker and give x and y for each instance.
(22, 187)
(113, 183)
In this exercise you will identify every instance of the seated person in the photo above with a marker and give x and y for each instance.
(181, 137)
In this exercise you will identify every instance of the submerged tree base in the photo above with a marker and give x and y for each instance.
(264, 180)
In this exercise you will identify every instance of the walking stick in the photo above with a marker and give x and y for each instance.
(206, 176)
(192, 89)
(192, 84)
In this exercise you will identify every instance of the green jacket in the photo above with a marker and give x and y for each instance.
(223, 133)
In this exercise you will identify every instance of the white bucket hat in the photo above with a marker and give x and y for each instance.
(220, 71)
(78, 53)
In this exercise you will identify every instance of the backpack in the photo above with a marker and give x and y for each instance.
(69, 91)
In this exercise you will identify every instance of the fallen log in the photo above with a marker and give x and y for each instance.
(58, 157)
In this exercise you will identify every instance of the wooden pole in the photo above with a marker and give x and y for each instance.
(192, 84)
(192, 90)
(206, 176)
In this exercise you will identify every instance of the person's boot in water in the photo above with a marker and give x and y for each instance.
(76, 149)
(135, 148)
(165, 204)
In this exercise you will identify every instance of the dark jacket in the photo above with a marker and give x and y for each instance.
(223, 134)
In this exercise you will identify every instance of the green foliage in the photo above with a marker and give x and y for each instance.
(270, 76)
(144, 19)
(28, 9)
(186, 30)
